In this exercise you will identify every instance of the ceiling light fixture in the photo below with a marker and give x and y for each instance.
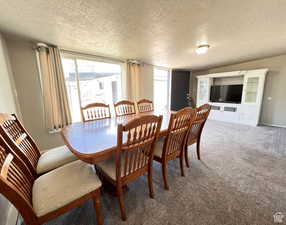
(202, 49)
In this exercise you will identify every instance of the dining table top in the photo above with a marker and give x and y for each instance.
(94, 141)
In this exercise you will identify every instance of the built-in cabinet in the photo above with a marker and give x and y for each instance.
(248, 111)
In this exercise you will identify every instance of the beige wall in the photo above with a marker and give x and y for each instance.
(7, 90)
(146, 81)
(24, 68)
(8, 103)
(273, 111)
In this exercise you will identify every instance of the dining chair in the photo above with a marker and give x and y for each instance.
(41, 199)
(95, 111)
(134, 155)
(124, 107)
(172, 146)
(195, 133)
(24, 147)
(145, 105)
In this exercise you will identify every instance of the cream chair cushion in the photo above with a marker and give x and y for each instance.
(54, 158)
(63, 185)
(109, 166)
(159, 148)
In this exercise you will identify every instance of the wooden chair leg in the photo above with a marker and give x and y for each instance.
(150, 183)
(182, 164)
(121, 202)
(164, 171)
(97, 206)
(198, 148)
(187, 157)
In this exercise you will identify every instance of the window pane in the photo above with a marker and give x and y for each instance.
(161, 89)
(99, 82)
(72, 90)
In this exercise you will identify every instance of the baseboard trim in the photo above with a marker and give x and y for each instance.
(273, 125)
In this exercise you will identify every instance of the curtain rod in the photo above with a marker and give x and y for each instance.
(90, 55)
(72, 52)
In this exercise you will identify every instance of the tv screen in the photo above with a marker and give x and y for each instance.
(226, 93)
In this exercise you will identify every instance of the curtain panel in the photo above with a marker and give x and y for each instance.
(56, 107)
(133, 81)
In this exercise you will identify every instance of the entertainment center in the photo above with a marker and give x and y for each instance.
(235, 96)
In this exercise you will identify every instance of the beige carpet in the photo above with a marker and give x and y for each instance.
(241, 179)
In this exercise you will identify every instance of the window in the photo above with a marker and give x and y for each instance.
(161, 89)
(90, 81)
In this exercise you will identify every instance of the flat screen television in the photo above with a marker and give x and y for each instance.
(226, 93)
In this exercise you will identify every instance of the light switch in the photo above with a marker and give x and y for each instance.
(269, 98)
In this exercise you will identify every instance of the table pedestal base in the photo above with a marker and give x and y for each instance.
(111, 189)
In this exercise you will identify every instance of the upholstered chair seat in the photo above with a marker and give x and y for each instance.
(158, 150)
(54, 158)
(62, 186)
(109, 166)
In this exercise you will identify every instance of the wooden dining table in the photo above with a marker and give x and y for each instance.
(95, 141)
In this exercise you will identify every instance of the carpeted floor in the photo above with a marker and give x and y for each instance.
(241, 179)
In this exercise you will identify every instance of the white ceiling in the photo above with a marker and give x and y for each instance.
(159, 32)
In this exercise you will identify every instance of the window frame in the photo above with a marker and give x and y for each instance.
(78, 56)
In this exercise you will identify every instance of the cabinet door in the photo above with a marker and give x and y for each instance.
(253, 87)
(252, 96)
(203, 92)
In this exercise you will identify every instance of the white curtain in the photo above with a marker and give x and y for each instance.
(56, 106)
(133, 79)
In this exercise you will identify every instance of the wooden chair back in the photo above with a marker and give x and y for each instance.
(21, 143)
(16, 183)
(95, 111)
(177, 132)
(145, 105)
(123, 108)
(136, 153)
(203, 112)
(198, 125)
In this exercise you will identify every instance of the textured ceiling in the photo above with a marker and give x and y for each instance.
(159, 32)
